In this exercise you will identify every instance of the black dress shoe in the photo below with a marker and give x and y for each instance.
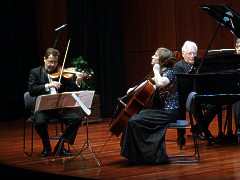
(209, 136)
(200, 136)
(62, 151)
(46, 151)
(237, 133)
(65, 152)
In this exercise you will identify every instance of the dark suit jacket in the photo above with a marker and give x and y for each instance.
(38, 78)
(181, 67)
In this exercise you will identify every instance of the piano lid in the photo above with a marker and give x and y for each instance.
(225, 15)
(221, 62)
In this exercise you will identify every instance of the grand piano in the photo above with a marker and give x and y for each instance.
(215, 77)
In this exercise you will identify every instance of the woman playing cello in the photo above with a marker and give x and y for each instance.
(143, 140)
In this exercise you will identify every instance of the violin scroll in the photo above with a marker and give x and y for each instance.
(177, 55)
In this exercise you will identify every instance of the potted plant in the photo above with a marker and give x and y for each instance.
(88, 84)
(81, 65)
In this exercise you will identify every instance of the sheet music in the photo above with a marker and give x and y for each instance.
(64, 100)
(37, 103)
(80, 103)
(86, 97)
(221, 51)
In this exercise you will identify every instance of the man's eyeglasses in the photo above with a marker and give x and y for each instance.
(52, 62)
(237, 46)
(191, 54)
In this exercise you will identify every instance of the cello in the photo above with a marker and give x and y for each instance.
(138, 98)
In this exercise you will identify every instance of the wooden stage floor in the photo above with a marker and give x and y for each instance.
(216, 161)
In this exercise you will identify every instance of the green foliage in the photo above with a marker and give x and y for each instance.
(81, 65)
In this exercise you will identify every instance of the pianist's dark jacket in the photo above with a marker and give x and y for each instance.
(181, 67)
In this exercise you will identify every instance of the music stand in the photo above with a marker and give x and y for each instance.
(87, 144)
(81, 99)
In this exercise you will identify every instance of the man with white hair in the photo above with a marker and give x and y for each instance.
(189, 52)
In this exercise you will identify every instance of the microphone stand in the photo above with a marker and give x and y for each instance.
(55, 41)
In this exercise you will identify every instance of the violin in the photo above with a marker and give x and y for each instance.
(68, 73)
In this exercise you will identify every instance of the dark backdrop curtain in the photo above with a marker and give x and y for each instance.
(96, 34)
(18, 53)
(95, 29)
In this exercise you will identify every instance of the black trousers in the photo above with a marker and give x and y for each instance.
(204, 120)
(71, 119)
(236, 109)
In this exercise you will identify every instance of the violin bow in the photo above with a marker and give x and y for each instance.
(64, 61)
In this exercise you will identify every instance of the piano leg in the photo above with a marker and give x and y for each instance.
(229, 120)
(219, 138)
(220, 133)
(229, 137)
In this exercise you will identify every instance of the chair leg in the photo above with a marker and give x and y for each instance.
(195, 138)
(24, 140)
(56, 136)
(196, 153)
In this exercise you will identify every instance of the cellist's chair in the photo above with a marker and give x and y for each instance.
(181, 126)
(28, 119)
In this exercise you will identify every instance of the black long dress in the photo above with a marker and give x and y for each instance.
(143, 140)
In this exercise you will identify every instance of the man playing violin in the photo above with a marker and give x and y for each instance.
(40, 82)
